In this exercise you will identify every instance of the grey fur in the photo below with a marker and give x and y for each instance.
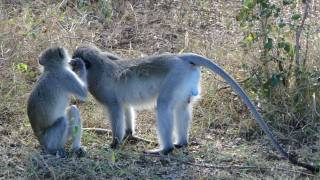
(169, 81)
(124, 85)
(48, 102)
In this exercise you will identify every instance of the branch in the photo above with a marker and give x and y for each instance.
(129, 138)
(314, 103)
(226, 87)
(206, 165)
(299, 31)
(98, 130)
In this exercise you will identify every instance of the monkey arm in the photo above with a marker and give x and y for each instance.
(75, 85)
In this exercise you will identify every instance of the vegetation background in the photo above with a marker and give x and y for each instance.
(271, 47)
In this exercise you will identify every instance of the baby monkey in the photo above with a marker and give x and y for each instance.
(52, 121)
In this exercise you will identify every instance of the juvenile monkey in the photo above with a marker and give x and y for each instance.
(52, 122)
(169, 81)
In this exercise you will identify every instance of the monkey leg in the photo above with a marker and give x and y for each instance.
(129, 120)
(165, 126)
(129, 116)
(55, 137)
(182, 120)
(75, 130)
(116, 112)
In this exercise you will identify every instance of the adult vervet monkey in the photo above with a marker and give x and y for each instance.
(171, 82)
(52, 122)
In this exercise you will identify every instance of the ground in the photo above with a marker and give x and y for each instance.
(225, 141)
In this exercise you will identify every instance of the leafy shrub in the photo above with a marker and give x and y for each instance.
(284, 78)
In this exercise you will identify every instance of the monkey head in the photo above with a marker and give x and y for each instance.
(54, 56)
(90, 55)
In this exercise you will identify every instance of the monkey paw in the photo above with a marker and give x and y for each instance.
(178, 146)
(81, 152)
(77, 64)
(61, 153)
(115, 144)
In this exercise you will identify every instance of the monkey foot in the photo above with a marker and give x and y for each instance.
(178, 146)
(115, 144)
(159, 151)
(81, 152)
(60, 152)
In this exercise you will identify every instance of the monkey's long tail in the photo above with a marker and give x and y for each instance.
(203, 61)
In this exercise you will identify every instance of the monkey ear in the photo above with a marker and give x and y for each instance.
(61, 52)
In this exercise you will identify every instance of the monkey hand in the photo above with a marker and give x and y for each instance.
(77, 64)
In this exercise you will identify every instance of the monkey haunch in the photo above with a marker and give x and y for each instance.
(51, 120)
(171, 82)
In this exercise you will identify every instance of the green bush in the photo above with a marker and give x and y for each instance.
(283, 78)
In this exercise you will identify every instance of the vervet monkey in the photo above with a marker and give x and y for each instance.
(171, 82)
(52, 122)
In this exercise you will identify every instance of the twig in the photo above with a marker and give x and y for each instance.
(307, 48)
(314, 103)
(240, 82)
(134, 14)
(98, 130)
(47, 166)
(299, 31)
(63, 4)
(129, 138)
(206, 165)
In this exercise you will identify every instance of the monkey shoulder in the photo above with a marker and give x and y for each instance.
(50, 84)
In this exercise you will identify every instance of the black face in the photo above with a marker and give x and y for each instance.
(78, 63)
(73, 62)
(61, 52)
(87, 64)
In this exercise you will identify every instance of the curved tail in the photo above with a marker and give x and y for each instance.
(203, 61)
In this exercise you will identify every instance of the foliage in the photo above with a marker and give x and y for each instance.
(272, 31)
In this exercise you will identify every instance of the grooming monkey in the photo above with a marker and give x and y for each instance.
(171, 82)
(52, 121)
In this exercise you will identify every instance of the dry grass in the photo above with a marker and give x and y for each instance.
(223, 132)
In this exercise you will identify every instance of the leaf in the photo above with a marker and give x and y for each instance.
(281, 24)
(276, 12)
(285, 46)
(275, 80)
(292, 50)
(287, 2)
(250, 38)
(295, 16)
(33, 35)
(269, 44)
(249, 3)
(243, 14)
(22, 67)
(113, 157)
(181, 51)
